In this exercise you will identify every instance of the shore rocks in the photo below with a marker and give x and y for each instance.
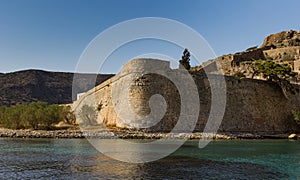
(104, 134)
(41, 134)
(293, 136)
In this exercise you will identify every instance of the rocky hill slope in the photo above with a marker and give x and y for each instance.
(37, 85)
(282, 48)
(283, 39)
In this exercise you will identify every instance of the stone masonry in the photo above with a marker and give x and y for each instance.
(252, 106)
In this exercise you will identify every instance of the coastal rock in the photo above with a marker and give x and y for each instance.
(125, 134)
(292, 136)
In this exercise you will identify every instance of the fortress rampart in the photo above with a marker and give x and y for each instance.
(285, 53)
(252, 106)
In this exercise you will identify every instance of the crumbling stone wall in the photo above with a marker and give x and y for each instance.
(285, 54)
(248, 56)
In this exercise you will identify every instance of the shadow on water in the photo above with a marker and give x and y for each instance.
(179, 167)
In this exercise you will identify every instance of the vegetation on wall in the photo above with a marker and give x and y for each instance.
(275, 72)
(272, 71)
(88, 115)
(296, 117)
(185, 59)
(36, 115)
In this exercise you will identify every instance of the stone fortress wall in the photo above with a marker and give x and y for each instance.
(252, 106)
(101, 95)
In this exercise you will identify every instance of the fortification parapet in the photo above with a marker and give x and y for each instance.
(142, 65)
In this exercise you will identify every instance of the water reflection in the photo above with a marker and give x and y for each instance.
(76, 159)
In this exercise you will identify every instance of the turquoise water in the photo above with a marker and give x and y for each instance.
(77, 159)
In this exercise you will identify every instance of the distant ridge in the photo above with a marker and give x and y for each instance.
(37, 85)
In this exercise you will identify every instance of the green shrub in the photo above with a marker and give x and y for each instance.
(278, 73)
(296, 116)
(273, 71)
(88, 115)
(36, 115)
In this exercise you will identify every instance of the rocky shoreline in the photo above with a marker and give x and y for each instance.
(8, 133)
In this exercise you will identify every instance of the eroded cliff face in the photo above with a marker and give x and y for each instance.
(253, 106)
(283, 39)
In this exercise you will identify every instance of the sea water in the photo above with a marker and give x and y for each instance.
(77, 159)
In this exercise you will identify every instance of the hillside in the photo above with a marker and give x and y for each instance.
(37, 85)
(282, 48)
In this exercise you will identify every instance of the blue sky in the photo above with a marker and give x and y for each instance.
(52, 34)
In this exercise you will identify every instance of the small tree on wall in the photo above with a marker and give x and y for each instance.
(185, 59)
(278, 73)
(273, 71)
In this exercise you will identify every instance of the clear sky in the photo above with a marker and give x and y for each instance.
(52, 34)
